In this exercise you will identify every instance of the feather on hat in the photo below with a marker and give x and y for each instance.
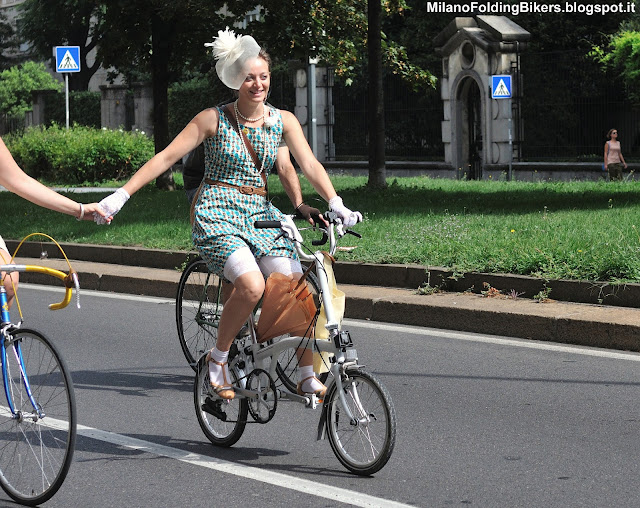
(232, 53)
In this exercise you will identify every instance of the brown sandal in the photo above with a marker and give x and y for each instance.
(224, 391)
(320, 393)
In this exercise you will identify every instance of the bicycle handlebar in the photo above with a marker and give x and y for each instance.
(70, 280)
(290, 230)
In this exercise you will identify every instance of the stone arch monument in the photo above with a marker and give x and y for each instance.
(478, 131)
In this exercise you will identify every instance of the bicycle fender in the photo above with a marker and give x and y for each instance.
(322, 424)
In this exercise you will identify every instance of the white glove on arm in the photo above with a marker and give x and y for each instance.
(112, 204)
(348, 217)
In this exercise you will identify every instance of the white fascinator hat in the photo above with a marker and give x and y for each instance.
(232, 53)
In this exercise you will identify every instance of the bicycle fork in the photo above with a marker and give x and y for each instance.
(338, 370)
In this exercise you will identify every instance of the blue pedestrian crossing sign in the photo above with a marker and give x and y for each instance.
(501, 87)
(67, 58)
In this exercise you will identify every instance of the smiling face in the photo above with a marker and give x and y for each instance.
(256, 85)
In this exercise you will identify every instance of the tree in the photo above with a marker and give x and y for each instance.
(17, 83)
(377, 170)
(337, 33)
(48, 23)
(161, 38)
(7, 42)
(623, 55)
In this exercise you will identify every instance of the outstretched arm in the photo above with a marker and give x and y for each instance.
(204, 124)
(18, 182)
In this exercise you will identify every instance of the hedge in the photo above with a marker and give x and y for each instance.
(80, 155)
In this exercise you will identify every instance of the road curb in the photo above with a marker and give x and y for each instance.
(410, 276)
(611, 327)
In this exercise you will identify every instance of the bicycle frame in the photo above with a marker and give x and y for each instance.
(70, 280)
(338, 343)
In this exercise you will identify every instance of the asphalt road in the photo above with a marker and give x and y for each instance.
(482, 421)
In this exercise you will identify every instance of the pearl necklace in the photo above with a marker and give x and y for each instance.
(235, 105)
(246, 149)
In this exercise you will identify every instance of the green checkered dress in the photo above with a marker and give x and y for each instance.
(224, 217)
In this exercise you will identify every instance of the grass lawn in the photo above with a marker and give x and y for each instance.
(574, 230)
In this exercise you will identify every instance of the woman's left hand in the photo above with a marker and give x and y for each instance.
(310, 214)
(348, 217)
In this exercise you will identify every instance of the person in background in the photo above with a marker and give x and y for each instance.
(613, 159)
(17, 181)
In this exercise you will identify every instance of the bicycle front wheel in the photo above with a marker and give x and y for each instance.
(222, 421)
(198, 309)
(363, 445)
(36, 444)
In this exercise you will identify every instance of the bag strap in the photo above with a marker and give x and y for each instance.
(234, 123)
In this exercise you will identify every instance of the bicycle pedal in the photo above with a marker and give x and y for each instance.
(313, 401)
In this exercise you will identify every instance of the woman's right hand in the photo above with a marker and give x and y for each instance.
(111, 205)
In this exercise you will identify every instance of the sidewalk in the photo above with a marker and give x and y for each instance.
(155, 273)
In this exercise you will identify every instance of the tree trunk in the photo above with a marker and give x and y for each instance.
(377, 170)
(160, 30)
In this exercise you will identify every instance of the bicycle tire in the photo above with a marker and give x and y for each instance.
(198, 309)
(222, 421)
(366, 447)
(287, 361)
(36, 453)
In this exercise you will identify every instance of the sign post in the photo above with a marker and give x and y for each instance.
(67, 60)
(501, 89)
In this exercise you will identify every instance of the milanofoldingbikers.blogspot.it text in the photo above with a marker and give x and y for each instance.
(515, 8)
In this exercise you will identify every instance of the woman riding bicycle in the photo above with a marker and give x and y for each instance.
(233, 196)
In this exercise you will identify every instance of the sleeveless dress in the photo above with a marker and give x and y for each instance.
(224, 217)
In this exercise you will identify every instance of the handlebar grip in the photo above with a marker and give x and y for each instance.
(58, 274)
(67, 298)
(267, 224)
(322, 240)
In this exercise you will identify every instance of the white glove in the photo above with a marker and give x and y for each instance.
(112, 204)
(348, 217)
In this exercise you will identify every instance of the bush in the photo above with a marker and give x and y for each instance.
(80, 155)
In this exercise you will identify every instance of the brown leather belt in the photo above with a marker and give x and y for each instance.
(243, 189)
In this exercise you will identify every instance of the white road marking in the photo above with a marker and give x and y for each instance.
(493, 339)
(332, 493)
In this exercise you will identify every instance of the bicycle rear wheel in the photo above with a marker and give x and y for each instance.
(364, 445)
(222, 421)
(36, 446)
(198, 309)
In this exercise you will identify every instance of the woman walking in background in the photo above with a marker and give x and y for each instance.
(613, 159)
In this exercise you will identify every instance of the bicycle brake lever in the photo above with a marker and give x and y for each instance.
(357, 235)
